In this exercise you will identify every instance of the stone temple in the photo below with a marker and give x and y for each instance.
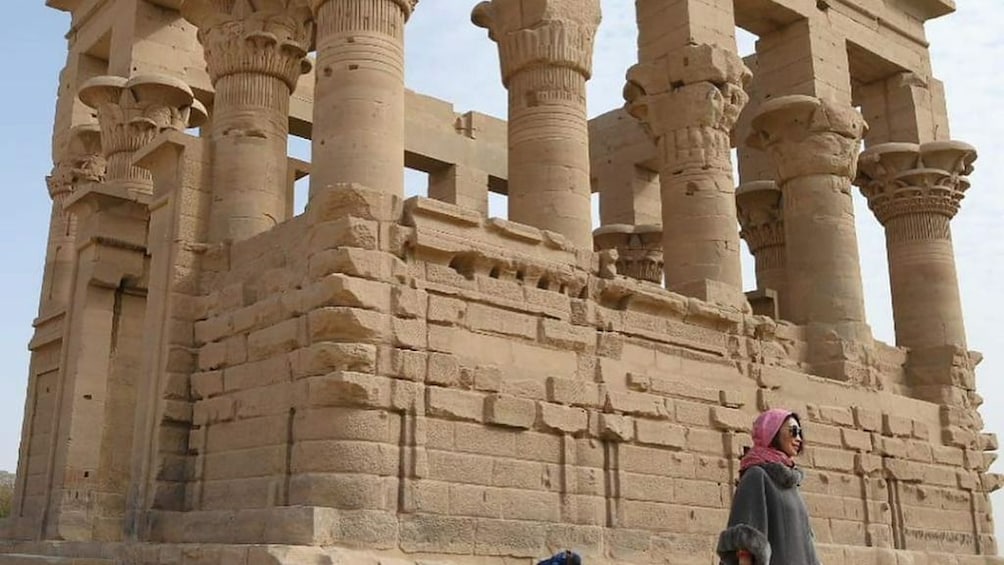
(217, 381)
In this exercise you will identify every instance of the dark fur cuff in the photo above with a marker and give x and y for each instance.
(745, 537)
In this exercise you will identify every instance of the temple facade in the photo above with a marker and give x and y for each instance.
(216, 380)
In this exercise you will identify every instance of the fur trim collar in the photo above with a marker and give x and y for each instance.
(783, 476)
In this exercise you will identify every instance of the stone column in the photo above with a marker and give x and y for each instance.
(762, 222)
(131, 113)
(813, 147)
(81, 163)
(688, 101)
(255, 53)
(358, 132)
(546, 51)
(914, 191)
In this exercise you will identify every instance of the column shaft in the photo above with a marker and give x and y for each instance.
(358, 131)
(927, 309)
(549, 152)
(824, 271)
(250, 130)
(255, 54)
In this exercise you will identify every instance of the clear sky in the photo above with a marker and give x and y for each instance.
(449, 58)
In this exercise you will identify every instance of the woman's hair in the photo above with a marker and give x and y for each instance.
(776, 442)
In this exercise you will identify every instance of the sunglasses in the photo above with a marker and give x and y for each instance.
(796, 431)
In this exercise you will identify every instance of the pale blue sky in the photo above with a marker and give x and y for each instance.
(451, 59)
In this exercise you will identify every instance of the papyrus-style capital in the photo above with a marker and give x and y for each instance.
(132, 112)
(758, 204)
(906, 178)
(557, 33)
(804, 136)
(269, 37)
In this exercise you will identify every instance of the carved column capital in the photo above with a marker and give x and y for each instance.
(688, 102)
(270, 38)
(80, 162)
(639, 249)
(407, 7)
(758, 204)
(806, 136)
(555, 33)
(906, 178)
(133, 112)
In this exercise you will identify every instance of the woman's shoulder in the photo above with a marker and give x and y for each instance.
(775, 473)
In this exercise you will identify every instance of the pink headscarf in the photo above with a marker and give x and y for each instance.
(765, 427)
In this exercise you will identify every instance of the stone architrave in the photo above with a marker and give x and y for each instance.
(914, 191)
(546, 51)
(813, 147)
(255, 53)
(762, 226)
(688, 102)
(639, 249)
(80, 163)
(358, 129)
(131, 113)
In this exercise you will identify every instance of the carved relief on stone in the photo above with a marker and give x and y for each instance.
(269, 37)
(688, 103)
(544, 34)
(380, 16)
(906, 178)
(804, 135)
(758, 205)
(639, 249)
(132, 112)
(81, 162)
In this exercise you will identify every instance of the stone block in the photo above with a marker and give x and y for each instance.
(562, 419)
(660, 433)
(343, 388)
(403, 363)
(281, 338)
(339, 289)
(636, 404)
(566, 336)
(348, 324)
(572, 392)
(206, 384)
(867, 420)
(325, 357)
(428, 533)
(352, 199)
(344, 232)
(362, 263)
(897, 426)
(409, 302)
(615, 427)
(454, 404)
(730, 419)
(485, 377)
(446, 310)
(510, 411)
(856, 440)
(443, 369)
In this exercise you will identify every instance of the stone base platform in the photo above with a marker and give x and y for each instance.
(128, 553)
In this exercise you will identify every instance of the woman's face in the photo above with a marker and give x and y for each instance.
(790, 437)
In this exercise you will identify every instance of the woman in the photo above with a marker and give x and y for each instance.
(769, 524)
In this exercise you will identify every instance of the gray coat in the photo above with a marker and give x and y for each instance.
(769, 519)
